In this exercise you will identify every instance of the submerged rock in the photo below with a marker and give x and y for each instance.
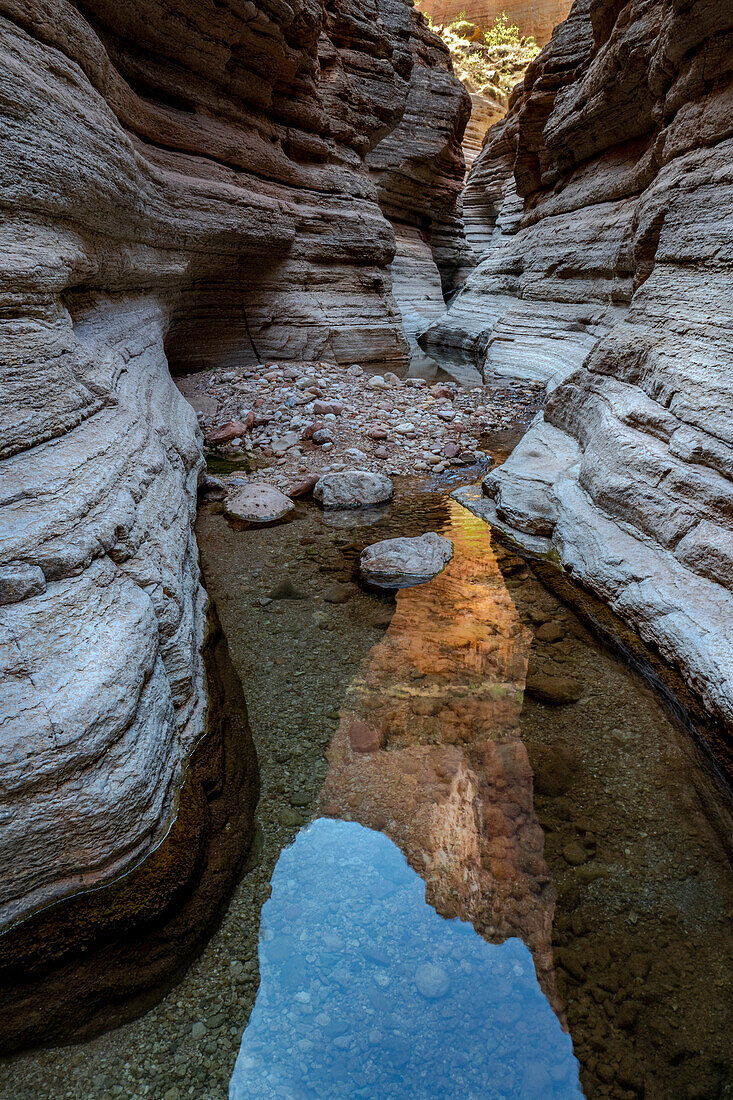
(432, 981)
(286, 590)
(353, 489)
(401, 562)
(259, 504)
(555, 690)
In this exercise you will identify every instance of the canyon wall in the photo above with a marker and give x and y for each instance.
(533, 17)
(603, 206)
(182, 185)
(419, 173)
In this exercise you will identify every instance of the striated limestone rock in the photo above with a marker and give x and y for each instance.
(485, 111)
(103, 682)
(419, 172)
(183, 185)
(607, 206)
(96, 958)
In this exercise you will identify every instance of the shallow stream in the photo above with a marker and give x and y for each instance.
(461, 888)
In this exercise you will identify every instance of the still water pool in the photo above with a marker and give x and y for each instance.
(490, 863)
(365, 991)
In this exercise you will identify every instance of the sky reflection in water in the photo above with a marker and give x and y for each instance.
(366, 992)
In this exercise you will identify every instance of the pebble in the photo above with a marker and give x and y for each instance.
(553, 689)
(549, 632)
(290, 817)
(303, 488)
(432, 981)
(281, 414)
(574, 854)
(339, 593)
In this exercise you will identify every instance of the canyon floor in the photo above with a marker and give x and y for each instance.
(608, 863)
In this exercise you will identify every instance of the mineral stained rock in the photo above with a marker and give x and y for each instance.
(605, 205)
(183, 184)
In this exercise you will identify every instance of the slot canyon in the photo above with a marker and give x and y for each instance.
(285, 284)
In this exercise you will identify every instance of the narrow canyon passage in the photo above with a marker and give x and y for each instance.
(366, 550)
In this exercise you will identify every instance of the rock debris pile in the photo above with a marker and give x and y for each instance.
(294, 421)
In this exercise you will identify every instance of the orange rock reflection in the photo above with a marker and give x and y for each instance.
(428, 749)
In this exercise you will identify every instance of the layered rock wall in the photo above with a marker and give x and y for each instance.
(180, 185)
(604, 203)
(419, 171)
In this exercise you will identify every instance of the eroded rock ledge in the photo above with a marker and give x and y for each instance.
(182, 185)
(605, 204)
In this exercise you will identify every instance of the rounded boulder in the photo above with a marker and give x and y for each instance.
(353, 489)
(403, 562)
(259, 503)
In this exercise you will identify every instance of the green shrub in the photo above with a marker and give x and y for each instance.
(503, 33)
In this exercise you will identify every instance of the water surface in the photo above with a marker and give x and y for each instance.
(582, 841)
(366, 992)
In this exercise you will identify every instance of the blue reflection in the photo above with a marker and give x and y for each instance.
(366, 992)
